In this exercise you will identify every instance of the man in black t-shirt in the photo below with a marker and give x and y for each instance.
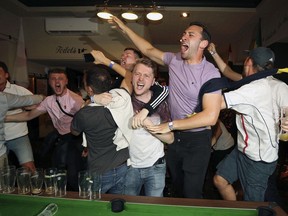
(106, 129)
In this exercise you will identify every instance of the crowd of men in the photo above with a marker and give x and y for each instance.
(122, 131)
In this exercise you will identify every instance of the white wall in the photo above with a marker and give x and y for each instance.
(8, 27)
(57, 47)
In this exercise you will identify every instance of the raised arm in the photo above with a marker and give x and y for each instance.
(143, 45)
(160, 93)
(100, 58)
(223, 67)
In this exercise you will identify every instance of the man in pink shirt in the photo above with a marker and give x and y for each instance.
(61, 106)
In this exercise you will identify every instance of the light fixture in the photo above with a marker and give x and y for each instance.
(154, 15)
(105, 14)
(129, 15)
(185, 14)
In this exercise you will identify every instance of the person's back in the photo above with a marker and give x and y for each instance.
(100, 130)
(257, 105)
(279, 97)
(107, 153)
(256, 123)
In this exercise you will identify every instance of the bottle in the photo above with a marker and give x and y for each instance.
(50, 210)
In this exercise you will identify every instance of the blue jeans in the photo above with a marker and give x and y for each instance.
(152, 178)
(113, 180)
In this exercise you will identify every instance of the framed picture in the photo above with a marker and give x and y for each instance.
(32, 83)
(38, 84)
(41, 86)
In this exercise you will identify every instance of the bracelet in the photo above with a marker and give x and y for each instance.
(212, 52)
(171, 126)
(111, 64)
(92, 99)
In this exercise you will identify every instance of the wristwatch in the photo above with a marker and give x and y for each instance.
(170, 125)
(212, 52)
(111, 64)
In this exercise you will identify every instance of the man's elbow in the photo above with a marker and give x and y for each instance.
(171, 140)
(213, 118)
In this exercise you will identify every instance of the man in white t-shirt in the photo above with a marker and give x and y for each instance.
(16, 134)
(257, 105)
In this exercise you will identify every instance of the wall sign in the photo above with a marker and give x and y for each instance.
(69, 50)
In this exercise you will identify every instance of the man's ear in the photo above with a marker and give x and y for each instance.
(153, 82)
(204, 44)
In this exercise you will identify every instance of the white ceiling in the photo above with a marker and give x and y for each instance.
(224, 23)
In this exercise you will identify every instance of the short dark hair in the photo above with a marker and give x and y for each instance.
(136, 52)
(4, 66)
(205, 33)
(56, 71)
(149, 63)
(98, 79)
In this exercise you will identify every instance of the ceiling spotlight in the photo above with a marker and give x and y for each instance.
(154, 16)
(185, 14)
(129, 15)
(105, 14)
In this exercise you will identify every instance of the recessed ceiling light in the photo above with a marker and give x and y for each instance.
(154, 16)
(185, 14)
(129, 15)
(104, 14)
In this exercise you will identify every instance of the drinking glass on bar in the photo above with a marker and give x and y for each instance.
(50, 180)
(23, 180)
(8, 179)
(36, 180)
